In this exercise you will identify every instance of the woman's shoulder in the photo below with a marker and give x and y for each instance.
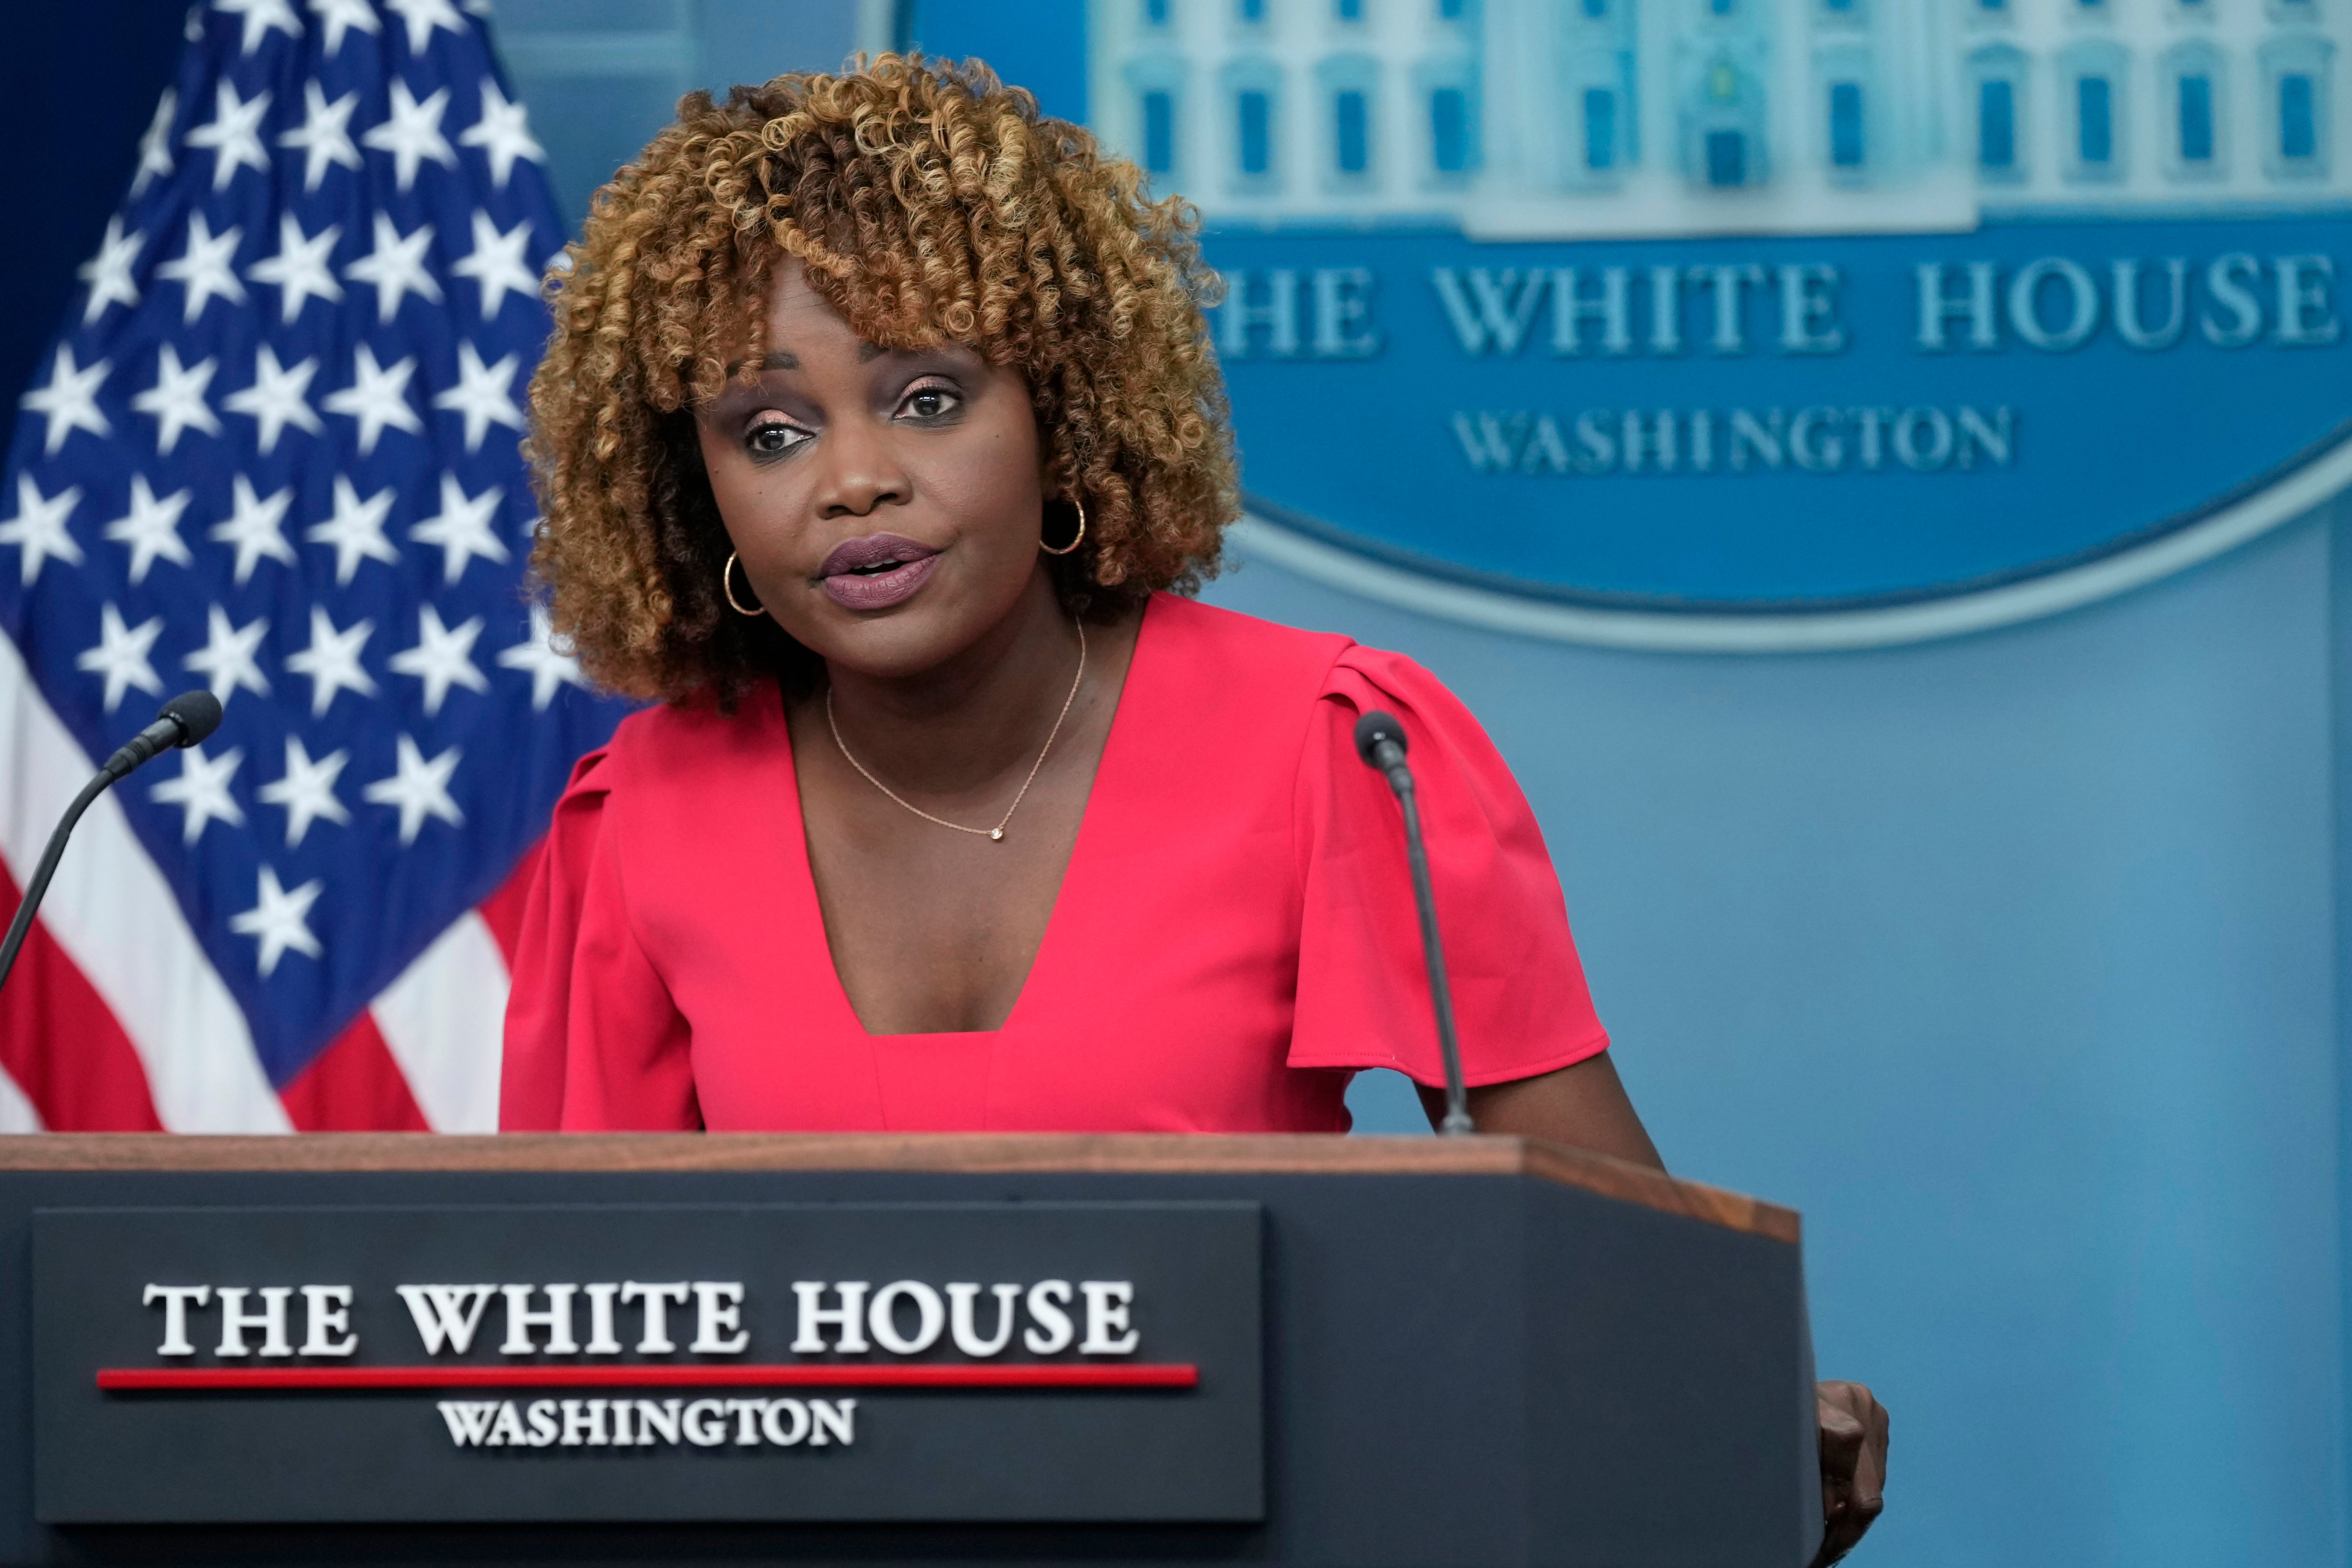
(1240, 653)
(667, 744)
(1246, 653)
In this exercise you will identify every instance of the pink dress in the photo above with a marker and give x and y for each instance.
(1235, 934)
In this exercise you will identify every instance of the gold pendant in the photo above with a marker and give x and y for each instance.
(996, 833)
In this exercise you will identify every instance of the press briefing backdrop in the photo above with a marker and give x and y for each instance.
(1876, 466)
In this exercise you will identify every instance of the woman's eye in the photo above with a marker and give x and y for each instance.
(930, 402)
(774, 438)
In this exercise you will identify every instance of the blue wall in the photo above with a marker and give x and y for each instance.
(2010, 961)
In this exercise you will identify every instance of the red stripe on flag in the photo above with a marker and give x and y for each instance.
(62, 1044)
(1049, 1374)
(353, 1086)
(502, 910)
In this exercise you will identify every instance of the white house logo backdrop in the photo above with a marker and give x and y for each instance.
(1758, 323)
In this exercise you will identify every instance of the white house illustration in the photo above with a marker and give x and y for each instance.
(1586, 117)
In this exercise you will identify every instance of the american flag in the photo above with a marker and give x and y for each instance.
(272, 452)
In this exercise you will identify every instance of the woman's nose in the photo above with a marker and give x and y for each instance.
(861, 471)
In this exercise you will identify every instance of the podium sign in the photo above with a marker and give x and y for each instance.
(847, 1362)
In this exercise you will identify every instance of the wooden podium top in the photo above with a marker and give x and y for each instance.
(1142, 1154)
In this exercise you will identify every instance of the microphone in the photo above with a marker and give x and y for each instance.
(1380, 741)
(184, 721)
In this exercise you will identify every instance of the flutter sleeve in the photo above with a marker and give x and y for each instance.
(1521, 1007)
(594, 1042)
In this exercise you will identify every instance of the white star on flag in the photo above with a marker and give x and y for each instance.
(260, 16)
(324, 136)
(256, 528)
(120, 655)
(202, 791)
(281, 919)
(150, 528)
(333, 662)
(155, 146)
(481, 394)
(503, 133)
(340, 16)
(376, 397)
(412, 133)
(549, 666)
(276, 397)
(109, 272)
(441, 658)
(234, 134)
(226, 658)
(299, 269)
(70, 402)
(204, 269)
(419, 788)
(308, 791)
(462, 529)
(423, 17)
(496, 263)
(177, 399)
(39, 527)
(395, 267)
(355, 530)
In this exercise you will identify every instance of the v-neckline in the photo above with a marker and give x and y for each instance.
(802, 872)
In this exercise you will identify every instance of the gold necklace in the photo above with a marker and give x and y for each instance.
(997, 832)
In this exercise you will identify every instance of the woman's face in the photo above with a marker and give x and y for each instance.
(885, 504)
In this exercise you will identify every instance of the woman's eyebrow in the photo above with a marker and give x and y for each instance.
(774, 359)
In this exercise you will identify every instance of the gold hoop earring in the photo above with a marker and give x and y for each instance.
(1074, 542)
(727, 586)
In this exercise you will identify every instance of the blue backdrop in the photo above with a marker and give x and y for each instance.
(2011, 960)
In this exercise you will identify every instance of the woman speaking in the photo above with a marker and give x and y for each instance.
(880, 440)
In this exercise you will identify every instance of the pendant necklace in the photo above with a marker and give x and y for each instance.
(997, 832)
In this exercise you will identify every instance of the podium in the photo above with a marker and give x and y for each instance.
(894, 1349)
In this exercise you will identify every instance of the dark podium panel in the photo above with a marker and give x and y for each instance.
(952, 1348)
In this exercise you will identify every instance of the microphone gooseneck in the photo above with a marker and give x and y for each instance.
(184, 721)
(1379, 742)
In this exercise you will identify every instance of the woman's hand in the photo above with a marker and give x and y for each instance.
(1854, 1465)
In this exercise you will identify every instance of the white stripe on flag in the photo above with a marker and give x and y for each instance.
(16, 1112)
(444, 1021)
(111, 911)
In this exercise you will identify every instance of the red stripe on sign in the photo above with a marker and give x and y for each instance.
(917, 1375)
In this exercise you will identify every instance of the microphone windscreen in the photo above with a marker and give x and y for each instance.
(199, 713)
(1371, 729)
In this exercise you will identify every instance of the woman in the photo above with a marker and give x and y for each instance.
(879, 437)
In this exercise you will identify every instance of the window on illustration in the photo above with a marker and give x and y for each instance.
(1845, 124)
(2094, 119)
(2298, 117)
(1349, 132)
(1159, 133)
(1252, 10)
(1350, 10)
(1449, 131)
(1596, 8)
(1451, 10)
(1997, 125)
(1726, 158)
(2196, 120)
(1723, 7)
(1600, 129)
(1255, 117)
(1155, 13)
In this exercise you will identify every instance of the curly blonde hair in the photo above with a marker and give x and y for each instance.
(928, 203)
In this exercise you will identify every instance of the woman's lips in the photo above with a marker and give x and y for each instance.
(876, 571)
